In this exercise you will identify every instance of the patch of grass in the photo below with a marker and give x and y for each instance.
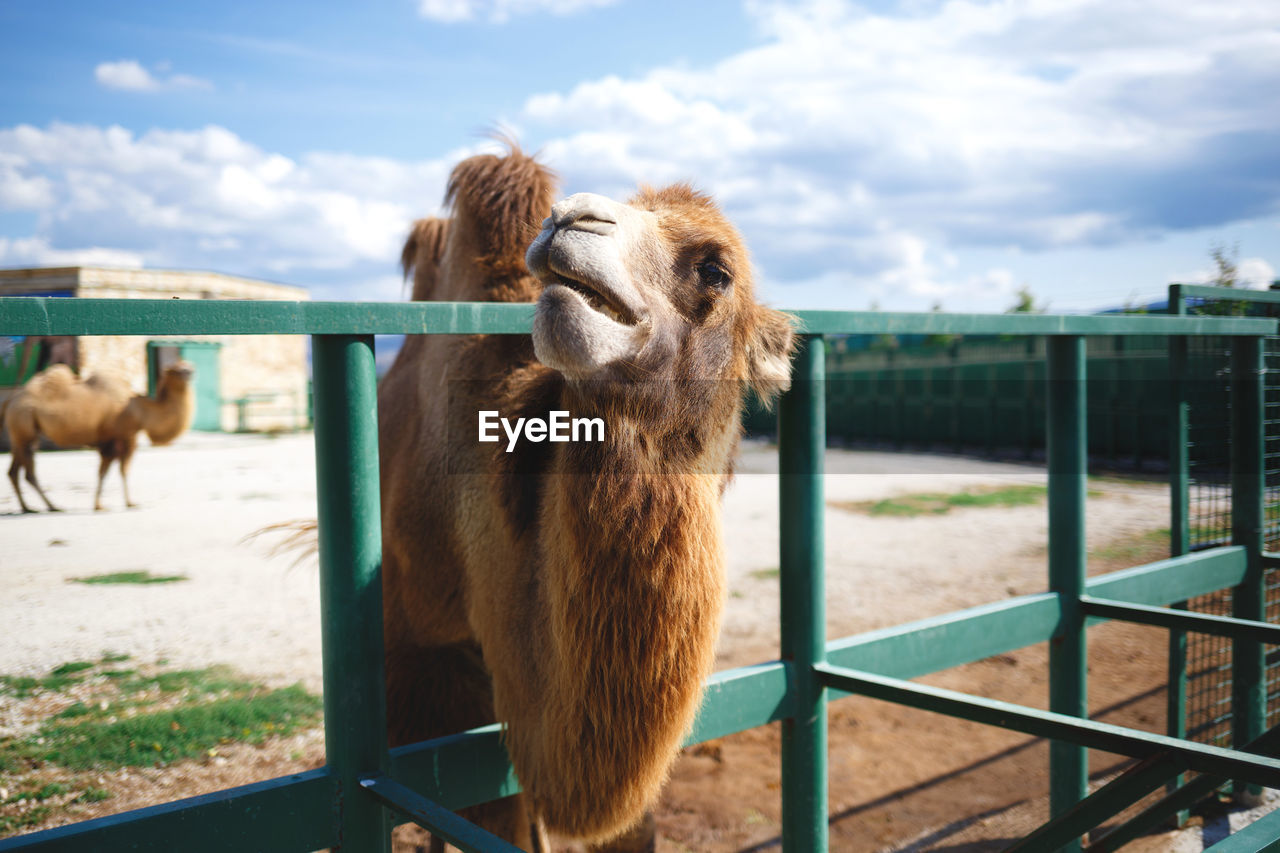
(53, 789)
(79, 709)
(939, 503)
(162, 737)
(138, 577)
(1144, 547)
(22, 686)
(128, 718)
(209, 681)
(114, 657)
(766, 574)
(71, 666)
(29, 817)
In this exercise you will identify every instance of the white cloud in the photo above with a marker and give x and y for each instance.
(208, 198)
(35, 251)
(500, 11)
(129, 75)
(1027, 125)
(1256, 273)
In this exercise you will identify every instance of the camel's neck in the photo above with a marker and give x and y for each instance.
(633, 589)
(168, 415)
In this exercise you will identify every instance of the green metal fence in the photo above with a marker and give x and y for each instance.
(1203, 477)
(987, 395)
(364, 788)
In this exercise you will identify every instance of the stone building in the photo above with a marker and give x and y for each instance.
(254, 382)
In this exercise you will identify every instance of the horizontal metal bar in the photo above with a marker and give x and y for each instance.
(1174, 579)
(1261, 836)
(1222, 294)
(952, 639)
(459, 770)
(27, 315)
(739, 699)
(1033, 721)
(1183, 620)
(901, 323)
(940, 642)
(290, 813)
(459, 832)
(31, 315)
(472, 767)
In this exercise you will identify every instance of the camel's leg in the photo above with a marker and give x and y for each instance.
(641, 838)
(126, 458)
(104, 464)
(30, 464)
(15, 469)
(432, 692)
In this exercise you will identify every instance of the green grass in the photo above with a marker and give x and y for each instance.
(938, 503)
(766, 574)
(1144, 547)
(162, 737)
(53, 789)
(72, 666)
(138, 577)
(117, 718)
(29, 817)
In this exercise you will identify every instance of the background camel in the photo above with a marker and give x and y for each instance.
(101, 412)
(572, 591)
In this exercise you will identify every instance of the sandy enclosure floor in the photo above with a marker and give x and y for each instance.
(199, 501)
(260, 614)
(201, 498)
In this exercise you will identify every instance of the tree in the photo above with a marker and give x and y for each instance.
(939, 340)
(1026, 303)
(1226, 274)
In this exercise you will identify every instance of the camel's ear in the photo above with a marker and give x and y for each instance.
(769, 354)
(422, 253)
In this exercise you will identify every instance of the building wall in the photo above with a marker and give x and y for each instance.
(266, 366)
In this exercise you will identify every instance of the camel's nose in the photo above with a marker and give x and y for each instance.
(586, 212)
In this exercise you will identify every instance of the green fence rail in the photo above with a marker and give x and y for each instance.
(363, 789)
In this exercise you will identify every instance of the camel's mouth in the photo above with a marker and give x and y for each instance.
(599, 301)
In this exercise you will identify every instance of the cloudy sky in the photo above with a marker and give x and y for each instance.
(880, 153)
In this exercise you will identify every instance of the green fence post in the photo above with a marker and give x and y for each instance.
(802, 443)
(1179, 522)
(355, 720)
(1248, 600)
(1066, 437)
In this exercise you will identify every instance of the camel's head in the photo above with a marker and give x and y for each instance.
(658, 288)
(180, 371)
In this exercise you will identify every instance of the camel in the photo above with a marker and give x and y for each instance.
(101, 412)
(572, 591)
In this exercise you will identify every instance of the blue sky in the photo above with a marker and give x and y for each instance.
(895, 154)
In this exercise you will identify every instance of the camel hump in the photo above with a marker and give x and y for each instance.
(501, 201)
(109, 386)
(54, 381)
(422, 254)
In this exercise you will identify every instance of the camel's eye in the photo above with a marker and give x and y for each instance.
(712, 275)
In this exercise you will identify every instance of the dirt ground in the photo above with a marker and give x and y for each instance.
(899, 779)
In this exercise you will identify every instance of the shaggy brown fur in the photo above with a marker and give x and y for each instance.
(100, 412)
(572, 591)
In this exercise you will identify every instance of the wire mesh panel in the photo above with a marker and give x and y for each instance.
(1208, 388)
